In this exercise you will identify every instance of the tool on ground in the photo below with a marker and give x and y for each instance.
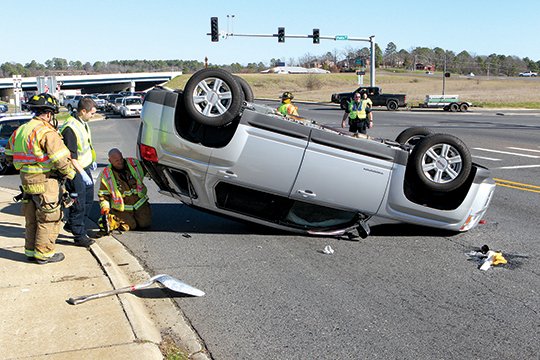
(165, 280)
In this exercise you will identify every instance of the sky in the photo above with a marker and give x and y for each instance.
(100, 30)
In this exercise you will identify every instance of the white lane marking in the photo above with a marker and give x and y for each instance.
(516, 167)
(485, 158)
(508, 153)
(516, 148)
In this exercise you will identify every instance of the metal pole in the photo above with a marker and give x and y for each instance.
(444, 75)
(372, 65)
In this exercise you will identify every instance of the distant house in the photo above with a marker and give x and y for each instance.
(420, 66)
(294, 70)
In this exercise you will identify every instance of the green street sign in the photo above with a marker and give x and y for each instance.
(342, 37)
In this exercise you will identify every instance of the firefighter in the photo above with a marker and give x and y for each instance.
(286, 107)
(122, 192)
(78, 139)
(37, 151)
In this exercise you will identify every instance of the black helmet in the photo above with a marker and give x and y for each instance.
(287, 95)
(43, 102)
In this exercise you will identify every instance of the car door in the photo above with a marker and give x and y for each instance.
(344, 172)
(264, 154)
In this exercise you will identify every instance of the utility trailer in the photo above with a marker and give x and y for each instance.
(446, 102)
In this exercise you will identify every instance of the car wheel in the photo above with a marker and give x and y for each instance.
(463, 107)
(344, 104)
(213, 97)
(454, 107)
(248, 92)
(3, 168)
(412, 136)
(392, 105)
(441, 162)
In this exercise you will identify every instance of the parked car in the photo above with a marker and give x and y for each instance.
(528, 74)
(8, 124)
(115, 105)
(130, 106)
(212, 148)
(109, 106)
(100, 103)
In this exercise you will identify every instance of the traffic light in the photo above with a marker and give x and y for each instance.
(316, 38)
(214, 30)
(446, 74)
(280, 34)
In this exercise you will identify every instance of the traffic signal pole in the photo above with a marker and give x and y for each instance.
(315, 36)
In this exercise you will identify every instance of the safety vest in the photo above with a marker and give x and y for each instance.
(288, 109)
(117, 198)
(85, 152)
(28, 156)
(358, 110)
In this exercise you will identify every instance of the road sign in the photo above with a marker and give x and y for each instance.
(359, 61)
(360, 73)
(342, 37)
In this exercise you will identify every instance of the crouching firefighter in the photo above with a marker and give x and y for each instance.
(38, 152)
(122, 195)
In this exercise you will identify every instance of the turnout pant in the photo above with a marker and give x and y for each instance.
(43, 215)
(138, 219)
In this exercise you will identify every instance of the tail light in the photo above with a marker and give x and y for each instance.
(148, 153)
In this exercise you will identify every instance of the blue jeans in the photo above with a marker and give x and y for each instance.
(78, 212)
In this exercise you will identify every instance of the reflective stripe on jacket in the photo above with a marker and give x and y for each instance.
(288, 109)
(111, 187)
(85, 154)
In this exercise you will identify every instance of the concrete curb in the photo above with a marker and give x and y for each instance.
(148, 318)
(164, 312)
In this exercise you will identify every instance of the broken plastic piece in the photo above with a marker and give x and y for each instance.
(328, 250)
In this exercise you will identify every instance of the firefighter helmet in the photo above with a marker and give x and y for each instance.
(43, 102)
(287, 95)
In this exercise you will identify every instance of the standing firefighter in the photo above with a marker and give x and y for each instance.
(39, 154)
(122, 194)
(286, 107)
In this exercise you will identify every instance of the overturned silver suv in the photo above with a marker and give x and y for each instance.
(212, 148)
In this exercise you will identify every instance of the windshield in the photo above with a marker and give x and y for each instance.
(133, 101)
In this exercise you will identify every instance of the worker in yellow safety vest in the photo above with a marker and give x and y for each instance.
(78, 139)
(37, 151)
(286, 107)
(359, 114)
(122, 192)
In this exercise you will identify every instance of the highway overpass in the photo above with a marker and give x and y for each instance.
(89, 84)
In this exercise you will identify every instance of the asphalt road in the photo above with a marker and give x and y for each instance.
(405, 292)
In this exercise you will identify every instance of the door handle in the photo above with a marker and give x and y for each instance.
(227, 174)
(307, 193)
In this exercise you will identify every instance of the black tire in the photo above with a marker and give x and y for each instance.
(441, 162)
(454, 107)
(248, 92)
(412, 136)
(4, 168)
(392, 105)
(463, 107)
(344, 104)
(213, 97)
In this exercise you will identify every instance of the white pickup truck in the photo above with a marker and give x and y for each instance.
(71, 103)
